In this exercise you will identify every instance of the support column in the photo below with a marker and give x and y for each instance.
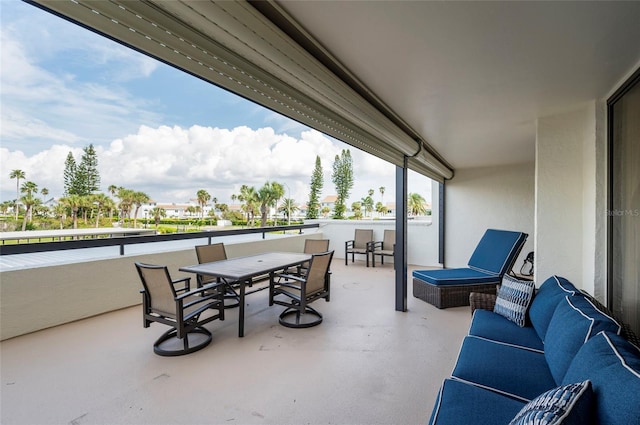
(400, 249)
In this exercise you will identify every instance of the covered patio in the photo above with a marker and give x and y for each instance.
(366, 363)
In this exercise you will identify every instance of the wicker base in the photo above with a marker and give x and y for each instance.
(445, 296)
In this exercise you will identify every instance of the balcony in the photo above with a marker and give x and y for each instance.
(366, 363)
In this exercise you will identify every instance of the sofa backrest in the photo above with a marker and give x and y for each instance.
(612, 365)
(545, 301)
(496, 251)
(574, 322)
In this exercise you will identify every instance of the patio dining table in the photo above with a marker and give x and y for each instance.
(241, 270)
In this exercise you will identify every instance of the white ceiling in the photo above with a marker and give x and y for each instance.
(473, 77)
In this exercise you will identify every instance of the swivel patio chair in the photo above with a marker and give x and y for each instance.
(383, 248)
(300, 291)
(209, 254)
(358, 245)
(493, 257)
(173, 303)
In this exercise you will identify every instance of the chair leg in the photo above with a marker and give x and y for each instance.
(300, 318)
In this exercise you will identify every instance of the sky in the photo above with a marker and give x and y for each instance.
(155, 129)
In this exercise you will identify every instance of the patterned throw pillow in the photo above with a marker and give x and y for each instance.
(514, 298)
(566, 405)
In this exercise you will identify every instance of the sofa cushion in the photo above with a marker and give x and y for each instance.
(461, 276)
(574, 322)
(460, 403)
(508, 369)
(544, 304)
(567, 405)
(612, 365)
(490, 325)
(514, 298)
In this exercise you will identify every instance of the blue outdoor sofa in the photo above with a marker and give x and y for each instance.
(493, 257)
(562, 359)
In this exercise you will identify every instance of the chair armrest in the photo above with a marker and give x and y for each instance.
(199, 290)
(290, 277)
(187, 284)
(373, 245)
(482, 301)
(349, 244)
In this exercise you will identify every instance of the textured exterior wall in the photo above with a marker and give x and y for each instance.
(571, 196)
(489, 197)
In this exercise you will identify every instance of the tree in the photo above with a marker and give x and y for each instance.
(17, 174)
(267, 196)
(381, 208)
(60, 212)
(356, 207)
(342, 177)
(367, 202)
(73, 203)
(416, 204)
(203, 199)
(249, 198)
(158, 213)
(44, 191)
(138, 199)
(317, 181)
(87, 178)
(126, 202)
(381, 189)
(288, 207)
(29, 201)
(70, 169)
(100, 200)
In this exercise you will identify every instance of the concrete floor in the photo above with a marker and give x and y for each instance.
(365, 364)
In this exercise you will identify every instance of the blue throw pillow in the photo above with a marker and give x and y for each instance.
(574, 322)
(514, 298)
(567, 405)
(550, 293)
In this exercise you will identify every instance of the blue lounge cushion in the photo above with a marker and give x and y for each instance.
(490, 325)
(511, 370)
(460, 403)
(612, 365)
(514, 298)
(496, 251)
(569, 404)
(574, 322)
(462, 276)
(544, 304)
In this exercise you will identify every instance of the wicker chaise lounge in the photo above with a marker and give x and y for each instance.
(492, 258)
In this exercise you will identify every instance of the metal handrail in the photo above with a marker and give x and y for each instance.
(121, 241)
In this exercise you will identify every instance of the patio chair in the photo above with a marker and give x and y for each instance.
(173, 303)
(313, 246)
(300, 291)
(209, 254)
(358, 245)
(493, 257)
(383, 248)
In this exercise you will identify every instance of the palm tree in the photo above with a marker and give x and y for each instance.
(17, 174)
(381, 189)
(99, 200)
(29, 188)
(267, 196)
(278, 192)
(158, 213)
(203, 200)
(74, 203)
(60, 212)
(288, 207)
(44, 191)
(126, 201)
(29, 201)
(416, 204)
(249, 196)
(138, 199)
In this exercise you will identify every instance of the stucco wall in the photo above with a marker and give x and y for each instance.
(569, 193)
(488, 197)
